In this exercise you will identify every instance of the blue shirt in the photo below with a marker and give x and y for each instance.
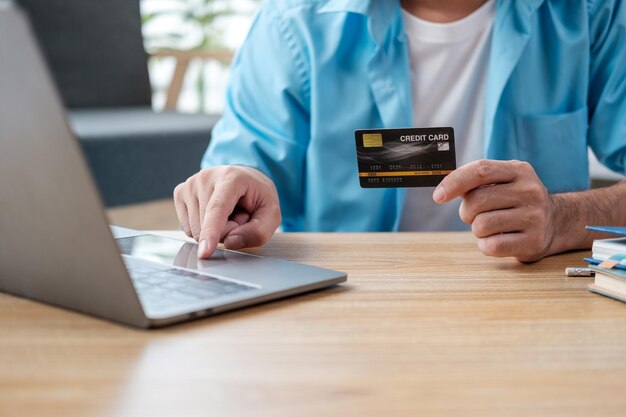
(312, 71)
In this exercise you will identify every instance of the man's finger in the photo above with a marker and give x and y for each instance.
(241, 217)
(181, 208)
(230, 226)
(218, 210)
(474, 175)
(502, 245)
(518, 245)
(203, 197)
(183, 218)
(255, 232)
(249, 235)
(193, 215)
(234, 221)
(488, 198)
(499, 221)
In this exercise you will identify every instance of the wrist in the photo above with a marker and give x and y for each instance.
(565, 227)
(569, 218)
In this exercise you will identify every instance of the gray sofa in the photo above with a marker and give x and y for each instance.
(95, 51)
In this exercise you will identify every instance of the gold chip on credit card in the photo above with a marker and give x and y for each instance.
(372, 140)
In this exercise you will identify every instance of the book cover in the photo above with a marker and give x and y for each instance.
(615, 273)
(609, 282)
(595, 289)
(616, 230)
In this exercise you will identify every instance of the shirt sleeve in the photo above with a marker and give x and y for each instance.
(607, 83)
(266, 124)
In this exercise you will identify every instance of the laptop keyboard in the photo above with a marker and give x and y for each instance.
(162, 287)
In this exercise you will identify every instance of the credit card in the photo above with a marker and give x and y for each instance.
(417, 157)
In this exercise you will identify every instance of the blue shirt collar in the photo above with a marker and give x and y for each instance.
(381, 12)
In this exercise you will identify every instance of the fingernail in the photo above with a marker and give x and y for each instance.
(439, 194)
(202, 249)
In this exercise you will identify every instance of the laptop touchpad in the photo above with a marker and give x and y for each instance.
(167, 251)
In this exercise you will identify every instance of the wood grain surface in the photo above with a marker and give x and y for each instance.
(425, 326)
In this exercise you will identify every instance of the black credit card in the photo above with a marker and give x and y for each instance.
(415, 157)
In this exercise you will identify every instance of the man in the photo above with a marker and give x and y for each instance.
(527, 85)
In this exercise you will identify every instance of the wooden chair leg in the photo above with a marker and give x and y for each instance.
(176, 85)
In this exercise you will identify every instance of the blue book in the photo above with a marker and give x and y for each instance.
(609, 282)
(612, 248)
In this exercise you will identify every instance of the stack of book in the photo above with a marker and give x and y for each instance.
(609, 263)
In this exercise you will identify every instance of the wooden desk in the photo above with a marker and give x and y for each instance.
(425, 326)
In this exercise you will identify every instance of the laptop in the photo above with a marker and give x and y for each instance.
(55, 242)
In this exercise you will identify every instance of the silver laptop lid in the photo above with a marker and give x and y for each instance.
(55, 245)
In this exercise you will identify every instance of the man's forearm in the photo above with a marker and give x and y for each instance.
(574, 211)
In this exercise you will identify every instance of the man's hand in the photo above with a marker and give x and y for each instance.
(508, 206)
(231, 204)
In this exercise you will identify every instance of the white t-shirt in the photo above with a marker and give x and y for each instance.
(449, 63)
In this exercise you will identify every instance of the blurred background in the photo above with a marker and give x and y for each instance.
(191, 43)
